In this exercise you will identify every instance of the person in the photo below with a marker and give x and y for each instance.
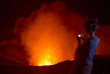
(87, 45)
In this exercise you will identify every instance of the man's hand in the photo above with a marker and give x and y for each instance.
(80, 38)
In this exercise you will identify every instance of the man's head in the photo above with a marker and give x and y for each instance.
(91, 26)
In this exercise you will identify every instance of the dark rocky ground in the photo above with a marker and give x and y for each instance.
(100, 67)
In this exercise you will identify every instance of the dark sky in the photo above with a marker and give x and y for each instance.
(13, 9)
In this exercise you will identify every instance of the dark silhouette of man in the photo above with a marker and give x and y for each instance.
(87, 45)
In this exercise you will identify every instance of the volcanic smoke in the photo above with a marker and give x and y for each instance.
(49, 34)
(45, 34)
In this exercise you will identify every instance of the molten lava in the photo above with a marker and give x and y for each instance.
(45, 61)
(46, 58)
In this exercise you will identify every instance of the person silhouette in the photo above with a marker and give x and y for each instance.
(87, 45)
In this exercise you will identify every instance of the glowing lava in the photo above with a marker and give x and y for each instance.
(45, 61)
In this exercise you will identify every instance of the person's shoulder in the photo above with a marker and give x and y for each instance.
(97, 38)
(94, 39)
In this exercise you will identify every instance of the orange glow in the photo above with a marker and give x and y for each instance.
(47, 41)
(46, 58)
(45, 61)
(46, 38)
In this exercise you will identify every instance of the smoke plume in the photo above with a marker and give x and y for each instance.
(49, 33)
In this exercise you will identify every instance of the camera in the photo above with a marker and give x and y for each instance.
(80, 35)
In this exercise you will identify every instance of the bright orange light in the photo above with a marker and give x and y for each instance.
(47, 40)
(45, 61)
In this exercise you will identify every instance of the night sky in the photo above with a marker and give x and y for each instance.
(13, 9)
